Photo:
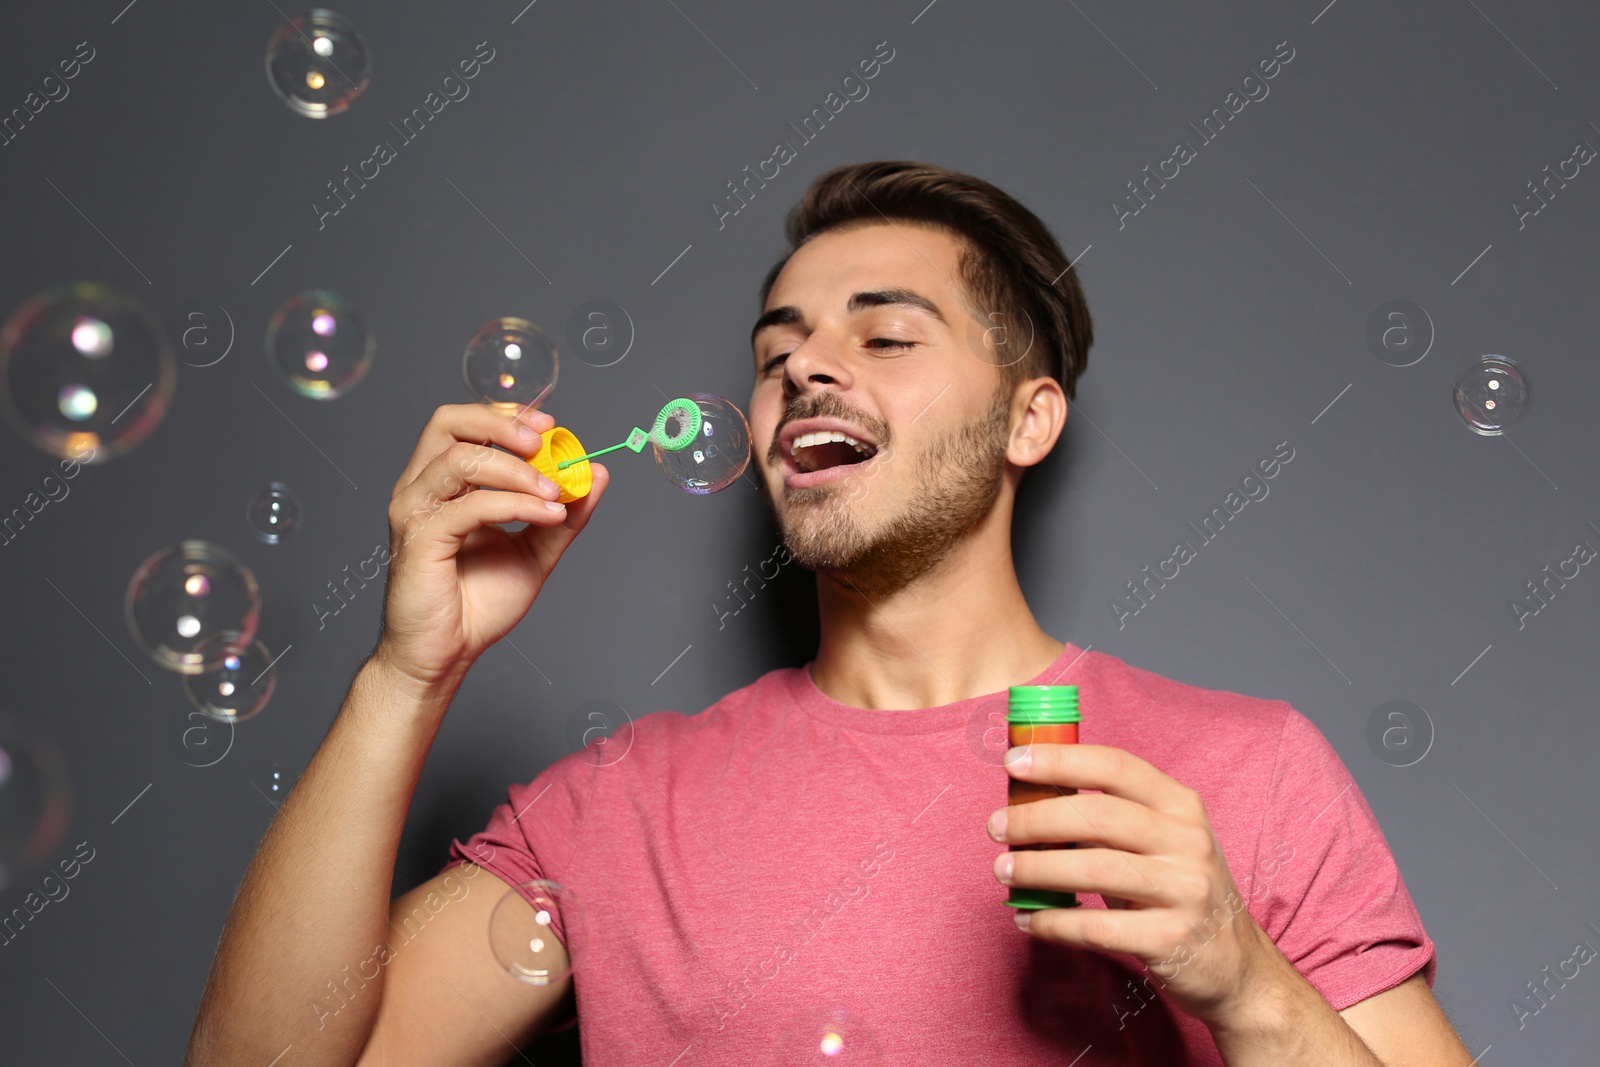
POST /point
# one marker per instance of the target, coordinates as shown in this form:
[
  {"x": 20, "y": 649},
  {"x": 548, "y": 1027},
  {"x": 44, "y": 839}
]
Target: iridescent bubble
[
  {"x": 242, "y": 683},
  {"x": 510, "y": 364},
  {"x": 318, "y": 64},
  {"x": 1490, "y": 394},
  {"x": 87, "y": 372},
  {"x": 704, "y": 448},
  {"x": 35, "y": 798},
  {"x": 319, "y": 345},
  {"x": 532, "y": 927},
  {"x": 182, "y": 597},
  {"x": 832, "y": 1034},
  {"x": 273, "y": 513}
]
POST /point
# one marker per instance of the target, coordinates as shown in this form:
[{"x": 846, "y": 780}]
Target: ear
[{"x": 1038, "y": 412}]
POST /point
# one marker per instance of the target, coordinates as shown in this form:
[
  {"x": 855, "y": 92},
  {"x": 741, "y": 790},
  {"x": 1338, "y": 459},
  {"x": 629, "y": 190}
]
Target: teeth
[{"x": 806, "y": 440}]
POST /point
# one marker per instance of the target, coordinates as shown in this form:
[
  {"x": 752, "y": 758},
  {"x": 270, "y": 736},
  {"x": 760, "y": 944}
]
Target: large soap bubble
[
  {"x": 701, "y": 442},
  {"x": 318, "y": 64},
  {"x": 182, "y": 597},
  {"x": 510, "y": 364},
  {"x": 87, "y": 371},
  {"x": 319, "y": 344}
]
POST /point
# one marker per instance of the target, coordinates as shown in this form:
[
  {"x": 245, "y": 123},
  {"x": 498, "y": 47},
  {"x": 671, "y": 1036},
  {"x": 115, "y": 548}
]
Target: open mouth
[{"x": 826, "y": 449}]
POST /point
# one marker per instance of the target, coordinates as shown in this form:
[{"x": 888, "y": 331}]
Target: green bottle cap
[{"x": 1043, "y": 705}]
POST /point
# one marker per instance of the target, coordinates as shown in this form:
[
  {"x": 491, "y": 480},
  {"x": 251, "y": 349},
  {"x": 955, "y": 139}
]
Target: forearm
[
  {"x": 1282, "y": 1021},
  {"x": 314, "y": 903}
]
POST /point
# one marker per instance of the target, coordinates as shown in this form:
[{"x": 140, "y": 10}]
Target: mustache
[{"x": 826, "y": 405}]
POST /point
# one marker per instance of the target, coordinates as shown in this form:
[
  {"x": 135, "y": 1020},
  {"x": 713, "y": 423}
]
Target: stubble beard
[{"x": 829, "y": 529}]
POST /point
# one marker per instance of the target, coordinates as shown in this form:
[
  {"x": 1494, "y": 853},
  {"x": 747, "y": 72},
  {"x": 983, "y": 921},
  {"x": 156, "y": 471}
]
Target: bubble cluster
[
  {"x": 239, "y": 686},
  {"x": 531, "y": 926},
  {"x": 182, "y": 597},
  {"x": 319, "y": 344},
  {"x": 318, "y": 64},
  {"x": 701, "y": 442},
  {"x": 1490, "y": 394},
  {"x": 273, "y": 513},
  {"x": 35, "y": 798},
  {"x": 87, "y": 371},
  {"x": 511, "y": 364}
]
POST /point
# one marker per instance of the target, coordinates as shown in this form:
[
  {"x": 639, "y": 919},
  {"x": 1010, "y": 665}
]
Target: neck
[{"x": 961, "y": 630}]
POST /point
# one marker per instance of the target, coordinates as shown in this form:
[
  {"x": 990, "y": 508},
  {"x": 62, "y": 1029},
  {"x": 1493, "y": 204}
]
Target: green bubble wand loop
[{"x": 682, "y": 412}]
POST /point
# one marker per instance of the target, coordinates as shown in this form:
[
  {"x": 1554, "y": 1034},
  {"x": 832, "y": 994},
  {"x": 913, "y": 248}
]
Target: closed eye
[{"x": 889, "y": 342}]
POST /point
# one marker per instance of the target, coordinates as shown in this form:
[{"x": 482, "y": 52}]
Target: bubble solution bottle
[{"x": 1047, "y": 714}]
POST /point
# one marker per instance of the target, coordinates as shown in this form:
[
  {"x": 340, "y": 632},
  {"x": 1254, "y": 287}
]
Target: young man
[{"x": 817, "y": 864}]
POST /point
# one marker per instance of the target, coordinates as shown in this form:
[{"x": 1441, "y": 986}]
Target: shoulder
[{"x": 1184, "y": 723}]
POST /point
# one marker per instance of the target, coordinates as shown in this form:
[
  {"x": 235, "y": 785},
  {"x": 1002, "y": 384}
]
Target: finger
[
  {"x": 1105, "y": 767},
  {"x": 460, "y": 467},
  {"x": 442, "y": 533},
  {"x": 548, "y": 544},
  {"x": 1097, "y": 818},
  {"x": 477, "y": 423},
  {"x": 1149, "y": 934},
  {"x": 1153, "y": 882}
]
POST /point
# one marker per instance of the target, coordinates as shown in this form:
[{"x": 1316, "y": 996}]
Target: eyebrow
[{"x": 788, "y": 314}]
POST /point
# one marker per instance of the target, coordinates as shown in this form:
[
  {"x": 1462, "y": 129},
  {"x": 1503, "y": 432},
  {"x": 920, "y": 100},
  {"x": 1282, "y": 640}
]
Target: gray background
[{"x": 1381, "y": 566}]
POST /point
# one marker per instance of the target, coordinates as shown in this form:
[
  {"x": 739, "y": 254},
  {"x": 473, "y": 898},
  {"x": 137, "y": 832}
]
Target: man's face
[{"x": 878, "y": 426}]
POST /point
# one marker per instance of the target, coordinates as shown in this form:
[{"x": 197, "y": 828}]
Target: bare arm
[{"x": 297, "y": 964}]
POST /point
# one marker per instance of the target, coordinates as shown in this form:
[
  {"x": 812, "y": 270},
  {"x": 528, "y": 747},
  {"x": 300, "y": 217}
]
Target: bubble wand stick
[{"x": 676, "y": 427}]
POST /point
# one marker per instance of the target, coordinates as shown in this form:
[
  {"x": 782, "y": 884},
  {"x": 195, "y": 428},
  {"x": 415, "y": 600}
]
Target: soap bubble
[
  {"x": 239, "y": 686},
  {"x": 510, "y": 364},
  {"x": 828, "y": 1035},
  {"x": 318, "y": 343},
  {"x": 182, "y": 597},
  {"x": 318, "y": 63},
  {"x": 87, "y": 371},
  {"x": 705, "y": 458},
  {"x": 1490, "y": 394},
  {"x": 35, "y": 798},
  {"x": 529, "y": 928},
  {"x": 273, "y": 513}
]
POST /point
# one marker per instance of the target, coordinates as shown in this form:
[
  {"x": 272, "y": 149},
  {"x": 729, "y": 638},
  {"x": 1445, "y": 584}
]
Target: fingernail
[
  {"x": 1002, "y": 868},
  {"x": 526, "y": 432},
  {"x": 997, "y": 825},
  {"x": 1019, "y": 757},
  {"x": 549, "y": 487},
  {"x": 555, "y": 505},
  {"x": 1023, "y": 919}
]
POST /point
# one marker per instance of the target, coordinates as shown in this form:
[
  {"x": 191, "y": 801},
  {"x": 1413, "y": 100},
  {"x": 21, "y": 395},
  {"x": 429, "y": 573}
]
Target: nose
[{"x": 816, "y": 364}]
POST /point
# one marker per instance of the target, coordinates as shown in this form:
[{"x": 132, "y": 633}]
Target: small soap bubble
[
  {"x": 240, "y": 686},
  {"x": 35, "y": 798},
  {"x": 1490, "y": 394},
  {"x": 318, "y": 64},
  {"x": 530, "y": 929},
  {"x": 273, "y": 513},
  {"x": 319, "y": 344},
  {"x": 828, "y": 1035},
  {"x": 510, "y": 364},
  {"x": 705, "y": 458},
  {"x": 182, "y": 597},
  {"x": 86, "y": 370}
]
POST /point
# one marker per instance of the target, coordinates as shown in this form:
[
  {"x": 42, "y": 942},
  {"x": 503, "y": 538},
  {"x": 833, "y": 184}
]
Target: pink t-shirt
[{"x": 747, "y": 871}]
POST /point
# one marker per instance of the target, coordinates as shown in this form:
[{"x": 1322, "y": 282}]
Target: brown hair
[{"x": 1011, "y": 264}]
